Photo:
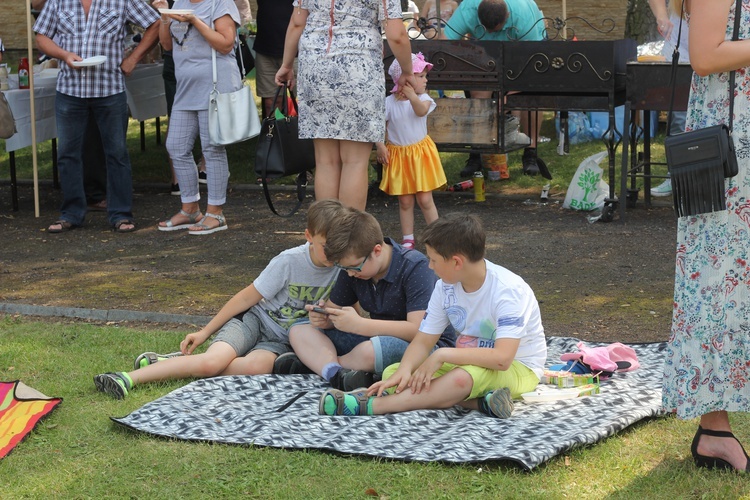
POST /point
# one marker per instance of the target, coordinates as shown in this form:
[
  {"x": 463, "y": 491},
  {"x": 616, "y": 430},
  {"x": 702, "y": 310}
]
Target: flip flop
[
  {"x": 119, "y": 229},
  {"x": 64, "y": 226}
]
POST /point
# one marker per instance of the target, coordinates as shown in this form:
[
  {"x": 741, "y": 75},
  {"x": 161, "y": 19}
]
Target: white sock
[{"x": 408, "y": 237}]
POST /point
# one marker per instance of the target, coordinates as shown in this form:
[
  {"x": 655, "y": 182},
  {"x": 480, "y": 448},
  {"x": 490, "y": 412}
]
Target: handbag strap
[
  {"x": 301, "y": 185},
  {"x": 676, "y": 57}
]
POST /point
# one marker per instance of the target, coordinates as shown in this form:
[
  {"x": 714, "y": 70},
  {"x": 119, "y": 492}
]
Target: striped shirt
[{"x": 101, "y": 34}]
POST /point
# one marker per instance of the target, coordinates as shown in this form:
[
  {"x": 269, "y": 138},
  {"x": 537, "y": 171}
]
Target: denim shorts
[
  {"x": 388, "y": 350},
  {"x": 249, "y": 335}
]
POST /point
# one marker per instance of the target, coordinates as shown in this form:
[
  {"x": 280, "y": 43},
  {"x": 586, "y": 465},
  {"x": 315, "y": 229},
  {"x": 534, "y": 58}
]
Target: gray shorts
[
  {"x": 266, "y": 68},
  {"x": 249, "y": 335}
]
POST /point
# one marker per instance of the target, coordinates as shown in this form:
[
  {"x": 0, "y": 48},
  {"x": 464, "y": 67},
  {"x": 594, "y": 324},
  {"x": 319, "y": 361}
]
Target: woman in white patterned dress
[
  {"x": 342, "y": 85},
  {"x": 707, "y": 370}
]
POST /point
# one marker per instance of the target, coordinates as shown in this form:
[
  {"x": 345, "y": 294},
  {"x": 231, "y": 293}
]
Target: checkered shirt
[{"x": 102, "y": 33}]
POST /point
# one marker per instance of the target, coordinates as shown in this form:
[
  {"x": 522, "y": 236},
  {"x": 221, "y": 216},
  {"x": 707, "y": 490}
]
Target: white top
[
  {"x": 503, "y": 307},
  {"x": 404, "y": 127},
  {"x": 669, "y": 44}
]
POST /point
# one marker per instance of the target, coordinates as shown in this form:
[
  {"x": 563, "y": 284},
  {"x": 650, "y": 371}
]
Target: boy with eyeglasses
[{"x": 379, "y": 277}]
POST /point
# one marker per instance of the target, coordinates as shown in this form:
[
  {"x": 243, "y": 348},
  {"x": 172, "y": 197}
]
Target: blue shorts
[{"x": 388, "y": 350}]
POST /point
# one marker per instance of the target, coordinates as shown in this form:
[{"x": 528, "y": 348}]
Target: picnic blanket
[
  {"x": 21, "y": 408},
  {"x": 282, "y": 412}
]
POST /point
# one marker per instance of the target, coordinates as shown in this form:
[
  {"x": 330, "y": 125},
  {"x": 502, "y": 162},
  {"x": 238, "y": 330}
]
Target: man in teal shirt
[{"x": 501, "y": 20}]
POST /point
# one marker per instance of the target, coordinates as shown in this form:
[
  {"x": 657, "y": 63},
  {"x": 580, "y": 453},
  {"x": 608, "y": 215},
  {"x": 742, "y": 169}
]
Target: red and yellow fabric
[{"x": 19, "y": 416}]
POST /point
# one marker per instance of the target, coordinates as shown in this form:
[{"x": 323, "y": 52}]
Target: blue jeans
[{"x": 111, "y": 115}]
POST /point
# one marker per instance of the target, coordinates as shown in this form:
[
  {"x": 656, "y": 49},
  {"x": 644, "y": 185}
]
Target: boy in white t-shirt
[{"x": 500, "y": 347}]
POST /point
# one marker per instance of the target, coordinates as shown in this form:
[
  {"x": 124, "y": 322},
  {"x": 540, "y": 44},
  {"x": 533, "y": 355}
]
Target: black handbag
[
  {"x": 280, "y": 152},
  {"x": 245, "y": 59},
  {"x": 700, "y": 160}
]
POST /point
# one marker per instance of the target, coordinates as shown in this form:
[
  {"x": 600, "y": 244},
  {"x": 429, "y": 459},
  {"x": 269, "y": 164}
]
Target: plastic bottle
[
  {"x": 545, "y": 193},
  {"x": 462, "y": 186},
  {"x": 478, "y": 186},
  {"x": 23, "y": 73}
]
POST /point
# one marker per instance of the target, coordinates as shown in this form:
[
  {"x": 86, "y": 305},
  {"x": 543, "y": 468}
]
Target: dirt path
[{"x": 600, "y": 281}]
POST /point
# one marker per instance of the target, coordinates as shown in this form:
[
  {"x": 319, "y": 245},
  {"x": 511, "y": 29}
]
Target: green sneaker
[
  {"x": 149, "y": 358},
  {"x": 336, "y": 402},
  {"x": 116, "y": 384},
  {"x": 499, "y": 403}
]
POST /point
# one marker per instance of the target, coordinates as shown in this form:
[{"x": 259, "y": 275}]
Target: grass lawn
[{"x": 77, "y": 452}]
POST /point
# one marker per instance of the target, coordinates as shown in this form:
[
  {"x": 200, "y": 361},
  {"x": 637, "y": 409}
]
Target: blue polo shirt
[
  {"x": 522, "y": 14},
  {"x": 406, "y": 287}
]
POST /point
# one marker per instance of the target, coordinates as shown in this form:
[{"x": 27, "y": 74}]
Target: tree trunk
[{"x": 641, "y": 24}]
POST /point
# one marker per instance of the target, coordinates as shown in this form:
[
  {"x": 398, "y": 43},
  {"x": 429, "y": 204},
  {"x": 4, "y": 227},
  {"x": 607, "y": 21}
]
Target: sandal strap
[
  {"x": 720, "y": 434},
  {"x": 193, "y": 218},
  {"x": 218, "y": 217}
]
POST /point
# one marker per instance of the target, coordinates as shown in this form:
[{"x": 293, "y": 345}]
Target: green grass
[{"x": 77, "y": 452}]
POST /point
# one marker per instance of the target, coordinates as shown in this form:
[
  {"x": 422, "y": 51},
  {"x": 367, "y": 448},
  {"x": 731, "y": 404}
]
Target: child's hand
[
  {"x": 382, "y": 153},
  {"x": 422, "y": 376},
  {"x": 345, "y": 319},
  {"x": 192, "y": 340},
  {"x": 318, "y": 319},
  {"x": 399, "y": 380},
  {"x": 408, "y": 92}
]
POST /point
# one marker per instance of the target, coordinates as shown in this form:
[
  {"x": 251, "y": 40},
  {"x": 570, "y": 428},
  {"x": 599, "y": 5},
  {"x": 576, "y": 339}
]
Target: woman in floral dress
[
  {"x": 707, "y": 366},
  {"x": 342, "y": 85}
]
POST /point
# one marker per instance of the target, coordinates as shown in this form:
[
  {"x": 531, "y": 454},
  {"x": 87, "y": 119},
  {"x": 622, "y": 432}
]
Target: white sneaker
[{"x": 663, "y": 189}]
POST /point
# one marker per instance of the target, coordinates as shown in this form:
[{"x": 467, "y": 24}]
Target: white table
[
  {"x": 46, "y": 125},
  {"x": 146, "y": 97}
]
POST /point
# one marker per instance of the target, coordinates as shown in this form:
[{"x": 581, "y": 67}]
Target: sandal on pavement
[
  {"x": 336, "y": 402},
  {"x": 193, "y": 219},
  {"x": 117, "y": 227},
  {"x": 64, "y": 226},
  {"x": 204, "y": 229}
]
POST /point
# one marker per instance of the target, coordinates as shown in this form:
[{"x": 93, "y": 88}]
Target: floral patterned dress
[
  {"x": 341, "y": 81},
  {"x": 708, "y": 355}
]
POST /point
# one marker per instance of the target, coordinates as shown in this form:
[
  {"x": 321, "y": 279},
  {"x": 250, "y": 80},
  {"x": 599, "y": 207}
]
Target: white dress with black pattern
[{"x": 341, "y": 82}]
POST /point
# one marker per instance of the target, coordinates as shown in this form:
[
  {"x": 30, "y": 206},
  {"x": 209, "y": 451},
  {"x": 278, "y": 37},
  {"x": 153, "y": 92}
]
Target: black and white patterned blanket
[{"x": 282, "y": 411}]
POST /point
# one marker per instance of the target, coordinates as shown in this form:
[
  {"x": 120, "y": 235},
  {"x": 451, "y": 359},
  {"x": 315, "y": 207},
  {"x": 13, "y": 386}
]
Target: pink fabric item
[
  {"x": 621, "y": 352},
  {"x": 418, "y": 65},
  {"x": 596, "y": 357}
]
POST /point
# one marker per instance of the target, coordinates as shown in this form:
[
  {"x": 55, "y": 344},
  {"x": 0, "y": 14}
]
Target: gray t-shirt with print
[{"x": 290, "y": 281}]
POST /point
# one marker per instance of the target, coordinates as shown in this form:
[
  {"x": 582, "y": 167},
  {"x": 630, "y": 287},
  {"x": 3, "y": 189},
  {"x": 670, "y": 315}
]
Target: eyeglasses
[{"x": 356, "y": 269}]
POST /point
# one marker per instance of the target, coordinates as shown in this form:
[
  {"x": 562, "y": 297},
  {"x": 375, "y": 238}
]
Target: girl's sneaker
[
  {"x": 498, "y": 403},
  {"x": 408, "y": 244},
  {"x": 336, "y": 402}
]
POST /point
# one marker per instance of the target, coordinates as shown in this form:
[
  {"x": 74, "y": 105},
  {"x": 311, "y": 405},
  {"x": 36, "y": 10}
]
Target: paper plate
[
  {"x": 177, "y": 12},
  {"x": 90, "y": 61},
  {"x": 550, "y": 395}
]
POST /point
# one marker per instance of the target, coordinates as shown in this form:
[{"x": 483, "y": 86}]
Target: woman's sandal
[
  {"x": 204, "y": 229},
  {"x": 117, "y": 227},
  {"x": 714, "y": 462},
  {"x": 64, "y": 226},
  {"x": 193, "y": 219},
  {"x": 337, "y": 405}
]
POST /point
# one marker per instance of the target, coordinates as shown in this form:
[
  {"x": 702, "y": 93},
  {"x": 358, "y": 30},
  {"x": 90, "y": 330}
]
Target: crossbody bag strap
[
  {"x": 213, "y": 50},
  {"x": 676, "y": 57}
]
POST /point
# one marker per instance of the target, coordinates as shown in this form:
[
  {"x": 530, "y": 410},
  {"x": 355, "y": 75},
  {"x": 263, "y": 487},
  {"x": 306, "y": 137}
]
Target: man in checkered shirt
[{"x": 82, "y": 29}]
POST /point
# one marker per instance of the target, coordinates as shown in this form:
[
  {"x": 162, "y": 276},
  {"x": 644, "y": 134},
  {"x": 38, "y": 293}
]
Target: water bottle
[
  {"x": 545, "y": 193},
  {"x": 462, "y": 186}
]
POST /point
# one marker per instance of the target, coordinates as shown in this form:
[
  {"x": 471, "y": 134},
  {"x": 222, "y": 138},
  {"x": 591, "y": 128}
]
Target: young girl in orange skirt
[{"x": 411, "y": 164}]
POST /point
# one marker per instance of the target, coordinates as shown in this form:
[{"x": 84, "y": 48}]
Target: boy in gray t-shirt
[{"x": 253, "y": 326}]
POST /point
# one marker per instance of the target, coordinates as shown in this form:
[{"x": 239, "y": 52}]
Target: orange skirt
[{"x": 413, "y": 169}]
